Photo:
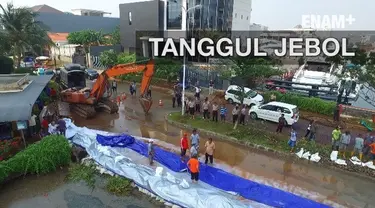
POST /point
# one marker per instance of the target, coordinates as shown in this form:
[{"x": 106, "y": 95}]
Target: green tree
[
  {"x": 108, "y": 58},
  {"x": 87, "y": 38},
  {"x": 250, "y": 71},
  {"x": 21, "y": 32},
  {"x": 254, "y": 70},
  {"x": 125, "y": 58},
  {"x": 115, "y": 37},
  {"x": 167, "y": 68}
]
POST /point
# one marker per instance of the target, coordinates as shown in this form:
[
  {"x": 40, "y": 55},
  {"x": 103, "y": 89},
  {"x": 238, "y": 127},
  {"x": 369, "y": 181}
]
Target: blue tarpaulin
[{"x": 216, "y": 177}]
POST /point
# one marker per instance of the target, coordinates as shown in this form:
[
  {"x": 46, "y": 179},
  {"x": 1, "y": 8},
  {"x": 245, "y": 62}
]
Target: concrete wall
[{"x": 139, "y": 16}]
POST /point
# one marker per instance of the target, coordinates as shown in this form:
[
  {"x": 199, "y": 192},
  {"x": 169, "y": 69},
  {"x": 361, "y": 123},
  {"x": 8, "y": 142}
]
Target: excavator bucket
[{"x": 146, "y": 104}]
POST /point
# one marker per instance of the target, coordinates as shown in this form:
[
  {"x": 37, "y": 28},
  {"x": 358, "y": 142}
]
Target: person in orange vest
[
  {"x": 193, "y": 165},
  {"x": 118, "y": 100}
]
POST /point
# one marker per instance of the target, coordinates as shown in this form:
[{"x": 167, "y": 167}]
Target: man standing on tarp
[
  {"x": 194, "y": 140},
  {"x": 151, "y": 151}
]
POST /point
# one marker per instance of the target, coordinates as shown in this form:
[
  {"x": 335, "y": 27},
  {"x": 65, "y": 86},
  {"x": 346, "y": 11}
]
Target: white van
[
  {"x": 252, "y": 97},
  {"x": 273, "y": 110}
]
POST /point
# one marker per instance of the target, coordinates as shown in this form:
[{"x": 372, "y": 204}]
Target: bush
[
  {"x": 54, "y": 85},
  {"x": 84, "y": 173},
  {"x": 119, "y": 186},
  {"x": 43, "y": 157},
  {"x": 6, "y": 65},
  {"x": 24, "y": 70},
  {"x": 311, "y": 104}
]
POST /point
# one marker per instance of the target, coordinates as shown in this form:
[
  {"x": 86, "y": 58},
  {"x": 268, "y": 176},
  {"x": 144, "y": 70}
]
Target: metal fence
[{"x": 202, "y": 76}]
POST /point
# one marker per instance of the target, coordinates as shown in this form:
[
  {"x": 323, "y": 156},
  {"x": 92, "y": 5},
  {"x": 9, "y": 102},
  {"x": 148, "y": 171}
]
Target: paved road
[{"x": 323, "y": 134}]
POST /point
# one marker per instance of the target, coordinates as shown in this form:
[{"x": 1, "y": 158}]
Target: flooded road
[
  {"x": 51, "y": 191},
  {"x": 303, "y": 179}
]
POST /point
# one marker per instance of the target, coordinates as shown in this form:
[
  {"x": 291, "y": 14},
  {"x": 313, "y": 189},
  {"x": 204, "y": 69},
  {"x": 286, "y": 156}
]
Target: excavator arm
[{"x": 148, "y": 68}]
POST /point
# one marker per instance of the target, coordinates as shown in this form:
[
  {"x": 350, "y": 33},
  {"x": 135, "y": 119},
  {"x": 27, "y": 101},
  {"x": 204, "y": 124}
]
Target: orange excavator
[{"x": 85, "y": 102}]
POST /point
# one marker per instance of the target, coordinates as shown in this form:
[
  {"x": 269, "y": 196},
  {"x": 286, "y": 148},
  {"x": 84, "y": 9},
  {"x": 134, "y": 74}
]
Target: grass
[
  {"x": 119, "y": 186},
  {"x": 84, "y": 173},
  {"x": 253, "y": 133},
  {"x": 116, "y": 185}
]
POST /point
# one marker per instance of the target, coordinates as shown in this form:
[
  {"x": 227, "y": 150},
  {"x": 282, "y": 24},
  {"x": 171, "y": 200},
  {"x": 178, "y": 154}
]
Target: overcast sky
[{"x": 277, "y": 14}]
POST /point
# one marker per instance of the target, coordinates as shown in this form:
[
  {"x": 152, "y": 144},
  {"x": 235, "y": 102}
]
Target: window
[
  {"x": 247, "y": 18},
  {"x": 241, "y": 16},
  {"x": 286, "y": 111},
  {"x": 269, "y": 107},
  {"x": 174, "y": 15},
  {"x": 235, "y": 15},
  {"x": 234, "y": 92},
  {"x": 130, "y": 18}
]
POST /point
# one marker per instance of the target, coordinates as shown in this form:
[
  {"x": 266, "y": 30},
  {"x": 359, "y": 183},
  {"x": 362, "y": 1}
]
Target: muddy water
[
  {"x": 317, "y": 183},
  {"x": 52, "y": 191}
]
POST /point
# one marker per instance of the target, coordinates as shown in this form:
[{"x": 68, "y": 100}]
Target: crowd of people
[
  {"x": 53, "y": 126},
  {"x": 191, "y": 159},
  {"x": 363, "y": 145}
]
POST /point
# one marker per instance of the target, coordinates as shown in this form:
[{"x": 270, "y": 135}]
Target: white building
[
  {"x": 89, "y": 12},
  {"x": 258, "y": 27}
]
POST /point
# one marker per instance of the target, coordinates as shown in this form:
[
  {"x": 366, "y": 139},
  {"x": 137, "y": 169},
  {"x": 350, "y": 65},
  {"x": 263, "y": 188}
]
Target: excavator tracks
[
  {"x": 107, "y": 106},
  {"x": 85, "y": 111}
]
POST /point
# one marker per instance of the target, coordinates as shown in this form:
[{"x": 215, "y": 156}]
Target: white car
[
  {"x": 252, "y": 97},
  {"x": 273, "y": 110}
]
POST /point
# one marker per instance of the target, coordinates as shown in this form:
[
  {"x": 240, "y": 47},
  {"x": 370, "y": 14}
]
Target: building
[
  {"x": 45, "y": 9},
  {"x": 62, "y": 22},
  {"x": 171, "y": 15},
  {"x": 258, "y": 27},
  {"x": 89, "y": 12},
  {"x": 13, "y": 89}
]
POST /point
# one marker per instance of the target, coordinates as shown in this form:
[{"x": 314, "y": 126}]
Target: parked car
[
  {"x": 273, "y": 110},
  {"x": 252, "y": 97},
  {"x": 91, "y": 74}
]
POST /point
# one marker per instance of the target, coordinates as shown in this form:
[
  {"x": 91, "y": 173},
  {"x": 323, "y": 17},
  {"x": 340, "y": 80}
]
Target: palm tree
[{"x": 21, "y": 32}]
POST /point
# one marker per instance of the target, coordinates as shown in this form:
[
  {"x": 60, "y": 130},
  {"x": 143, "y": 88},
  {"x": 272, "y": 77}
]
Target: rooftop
[
  {"x": 91, "y": 10},
  {"x": 67, "y": 23},
  {"x": 58, "y": 36},
  {"x": 17, "y": 106},
  {"x": 14, "y": 83},
  {"x": 45, "y": 8}
]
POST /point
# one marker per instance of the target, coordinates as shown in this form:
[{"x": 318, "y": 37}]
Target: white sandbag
[
  {"x": 370, "y": 164},
  {"x": 184, "y": 184},
  {"x": 334, "y": 155},
  {"x": 300, "y": 153},
  {"x": 315, "y": 157},
  {"x": 340, "y": 162},
  {"x": 159, "y": 171},
  {"x": 356, "y": 161},
  {"x": 306, "y": 155},
  {"x": 171, "y": 178},
  {"x": 354, "y": 158}
]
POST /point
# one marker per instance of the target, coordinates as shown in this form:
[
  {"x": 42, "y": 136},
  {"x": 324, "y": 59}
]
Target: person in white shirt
[
  {"x": 197, "y": 92},
  {"x": 191, "y": 104},
  {"x": 32, "y": 124},
  {"x": 52, "y": 128}
]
